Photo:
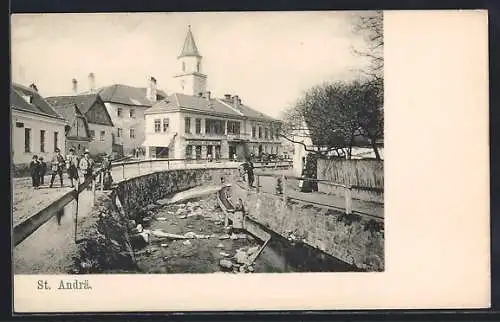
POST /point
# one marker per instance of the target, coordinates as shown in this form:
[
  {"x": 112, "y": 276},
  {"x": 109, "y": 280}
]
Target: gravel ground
[{"x": 27, "y": 201}]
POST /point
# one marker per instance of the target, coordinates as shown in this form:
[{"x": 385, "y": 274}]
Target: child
[
  {"x": 35, "y": 172},
  {"x": 43, "y": 170}
]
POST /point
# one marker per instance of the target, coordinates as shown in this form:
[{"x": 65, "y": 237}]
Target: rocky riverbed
[{"x": 189, "y": 237}]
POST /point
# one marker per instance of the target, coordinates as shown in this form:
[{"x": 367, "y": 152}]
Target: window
[
  {"x": 271, "y": 133},
  {"x": 189, "y": 151},
  {"x": 56, "y": 140},
  {"x": 277, "y": 130},
  {"x": 214, "y": 127},
  {"x": 198, "y": 67},
  {"x": 27, "y": 140},
  {"x": 253, "y": 131},
  {"x": 132, "y": 113},
  {"x": 260, "y": 132},
  {"x": 187, "y": 125},
  {"x": 210, "y": 152},
  {"x": 119, "y": 133},
  {"x": 198, "y": 152},
  {"x": 198, "y": 126},
  {"x": 165, "y": 125},
  {"x": 92, "y": 134},
  {"x": 103, "y": 135},
  {"x": 119, "y": 112},
  {"x": 42, "y": 140},
  {"x": 266, "y": 133},
  {"x": 233, "y": 127},
  {"x": 183, "y": 66},
  {"x": 132, "y": 133},
  {"x": 157, "y": 125}
]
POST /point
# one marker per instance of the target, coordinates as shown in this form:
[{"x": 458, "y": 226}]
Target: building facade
[
  {"x": 77, "y": 129},
  {"x": 99, "y": 121},
  {"x": 190, "y": 124},
  {"x": 126, "y": 106},
  {"x": 36, "y": 127}
]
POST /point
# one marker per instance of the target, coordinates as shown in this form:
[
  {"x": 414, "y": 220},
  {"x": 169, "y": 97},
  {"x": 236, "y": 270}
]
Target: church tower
[{"x": 191, "y": 80}]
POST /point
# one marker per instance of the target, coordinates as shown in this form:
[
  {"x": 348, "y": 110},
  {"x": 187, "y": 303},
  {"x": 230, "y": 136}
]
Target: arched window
[{"x": 183, "y": 66}]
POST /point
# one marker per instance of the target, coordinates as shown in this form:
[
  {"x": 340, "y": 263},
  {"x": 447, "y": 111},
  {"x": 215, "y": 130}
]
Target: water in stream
[{"x": 203, "y": 255}]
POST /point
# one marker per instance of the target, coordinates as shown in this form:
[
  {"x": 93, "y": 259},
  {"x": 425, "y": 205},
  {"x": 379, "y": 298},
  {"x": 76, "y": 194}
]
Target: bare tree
[
  {"x": 371, "y": 27},
  {"x": 328, "y": 117}
]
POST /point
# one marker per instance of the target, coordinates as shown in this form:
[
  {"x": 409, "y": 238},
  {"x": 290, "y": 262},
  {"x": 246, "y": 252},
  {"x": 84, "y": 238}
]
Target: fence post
[
  {"x": 123, "y": 171},
  {"x": 76, "y": 210},
  {"x": 283, "y": 187},
  {"x": 93, "y": 191},
  {"x": 348, "y": 200},
  {"x": 258, "y": 184},
  {"x": 102, "y": 180},
  {"x": 168, "y": 164}
]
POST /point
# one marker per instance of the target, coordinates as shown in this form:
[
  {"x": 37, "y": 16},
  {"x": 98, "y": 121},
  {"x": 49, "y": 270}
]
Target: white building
[
  {"x": 126, "y": 106},
  {"x": 36, "y": 127},
  {"x": 193, "y": 124}
]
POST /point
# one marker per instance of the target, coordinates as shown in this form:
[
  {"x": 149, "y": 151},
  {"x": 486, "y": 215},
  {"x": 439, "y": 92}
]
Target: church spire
[{"x": 189, "y": 48}]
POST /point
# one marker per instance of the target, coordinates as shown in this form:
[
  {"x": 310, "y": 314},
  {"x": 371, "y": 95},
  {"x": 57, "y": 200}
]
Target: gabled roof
[
  {"x": 69, "y": 112},
  {"x": 83, "y": 101},
  {"x": 128, "y": 95},
  {"x": 39, "y": 105},
  {"x": 180, "y": 101},
  {"x": 189, "y": 48}
]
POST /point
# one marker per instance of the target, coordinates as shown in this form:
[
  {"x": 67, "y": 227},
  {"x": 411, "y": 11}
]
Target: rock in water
[
  {"x": 234, "y": 236},
  {"x": 190, "y": 235},
  {"x": 224, "y": 254},
  {"x": 252, "y": 250},
  {"x": 241, "y": 257},
  {"x": 186, "y": 242},
  {"x": 162, "y": 202},
  {"x": 225, "y": 236},
  {"x": 161, "y": 218},
  {"x": 242, "y": 269},
  {"x": 225, "y": 263},
  {"x": 250, "y": 268},
  {"x": 221, "y": 245}
]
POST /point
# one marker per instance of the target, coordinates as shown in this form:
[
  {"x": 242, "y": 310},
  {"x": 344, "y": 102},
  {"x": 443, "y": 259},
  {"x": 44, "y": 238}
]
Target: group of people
[{"x": 72, "y": 164}]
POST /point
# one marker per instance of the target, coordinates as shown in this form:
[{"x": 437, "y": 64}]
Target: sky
[{"x": 267, "y": 58}]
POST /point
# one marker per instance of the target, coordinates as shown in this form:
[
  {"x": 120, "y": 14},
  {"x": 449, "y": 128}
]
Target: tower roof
[{"x": 189, "y": 48}]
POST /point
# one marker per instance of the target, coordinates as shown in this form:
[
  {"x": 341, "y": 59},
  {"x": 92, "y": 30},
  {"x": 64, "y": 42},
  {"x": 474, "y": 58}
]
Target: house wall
[
  {"x": 97, "y": 146},
  {"x": 125, "y": 122},
  {"x": 36, "y": 123}
]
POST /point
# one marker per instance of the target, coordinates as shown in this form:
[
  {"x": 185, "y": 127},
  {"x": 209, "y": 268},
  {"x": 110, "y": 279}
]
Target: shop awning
[{"x": 159, "y": 140}]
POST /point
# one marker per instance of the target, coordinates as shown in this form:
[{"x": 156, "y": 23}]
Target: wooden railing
[{"x": 27, "y": 227}]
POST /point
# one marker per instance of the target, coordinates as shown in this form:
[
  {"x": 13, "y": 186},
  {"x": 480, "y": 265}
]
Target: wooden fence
[{"x": 356, "y": 173}]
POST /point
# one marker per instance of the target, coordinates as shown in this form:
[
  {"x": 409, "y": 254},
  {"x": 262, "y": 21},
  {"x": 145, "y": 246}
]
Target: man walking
[
  {"x": 43, "y": 170},
  {"x": 250, "y": 174},
  {"x": 86, "y": 166},
  {"x": 72, "y": 165},
  {"x": 35, "y": 172},
  {"x": 58, "y": 163}
]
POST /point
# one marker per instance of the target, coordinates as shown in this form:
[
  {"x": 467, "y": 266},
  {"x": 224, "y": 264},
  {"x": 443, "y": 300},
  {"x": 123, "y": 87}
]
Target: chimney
[
  {"x": 75, "y": 86},
  {"x": 91, "y": 82},
  {"x": 151, "y": 89},
  {"x": 227, "y": 97},
  {"x": 236, "y": 101}
]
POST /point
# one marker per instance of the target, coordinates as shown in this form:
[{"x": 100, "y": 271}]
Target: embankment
[{"x": 350, "y": 238}]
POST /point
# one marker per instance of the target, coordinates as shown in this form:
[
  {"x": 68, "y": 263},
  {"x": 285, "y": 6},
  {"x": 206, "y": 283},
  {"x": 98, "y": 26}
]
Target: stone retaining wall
[
  {"x": 352, "y": 239},
  {"x": 138, "y": 192}
]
